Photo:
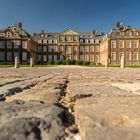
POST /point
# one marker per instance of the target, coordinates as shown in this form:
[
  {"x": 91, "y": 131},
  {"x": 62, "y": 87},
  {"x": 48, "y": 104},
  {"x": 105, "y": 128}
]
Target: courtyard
[{"x": 69, "y": 103}]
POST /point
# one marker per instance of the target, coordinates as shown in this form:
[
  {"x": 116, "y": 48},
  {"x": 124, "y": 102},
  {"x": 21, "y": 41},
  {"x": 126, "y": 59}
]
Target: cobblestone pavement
[{"x": 69, "y": 103}]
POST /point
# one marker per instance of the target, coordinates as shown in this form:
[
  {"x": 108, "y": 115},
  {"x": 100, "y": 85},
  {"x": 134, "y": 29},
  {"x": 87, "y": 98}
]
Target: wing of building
[
  {"x": 70, "y": 45},
  {"x": 121, "y": 41},
  {"x": 14, "y": 42}
]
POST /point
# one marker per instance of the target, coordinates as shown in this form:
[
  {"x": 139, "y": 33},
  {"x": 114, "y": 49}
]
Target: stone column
[
  {"x": 122, "y": 62},
  {"x": 31, "y": 62},
  {"x": 17, "y": 65},
  {"x": 106, "y": 63}
]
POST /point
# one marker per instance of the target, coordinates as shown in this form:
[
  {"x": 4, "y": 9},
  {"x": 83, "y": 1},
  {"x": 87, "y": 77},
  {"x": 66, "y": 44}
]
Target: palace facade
[
  {"x": 70, "y": 45},
  {"x": 67, "y": 45}
]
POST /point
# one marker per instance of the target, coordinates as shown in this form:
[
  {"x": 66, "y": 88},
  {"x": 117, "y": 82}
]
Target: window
[
  {"x": 128, "y": 56},
  {"x": 136, "y": 56},
  {"x": 121, "y": 44},
  {"x": 113, "y": 44},
  {"x": 2, "y": 56},
  {"x": 61, "y": 57},
  {"x": 9, "y": 35},
  {"x": 55, "y": 57},
  {"x": 92, "y": 41},
  {"x": 50, "y": 48},
  {"x": 129, "y": 33},
  {"x": 97, "y": 41},
  {"x": 97, "y": 48},
  {"x": 136, "y": 33},
  {"x": 75, "y": 48},
  {"x": 39, "y": 41},
  {"x": 81, "y": 57},
  {"x": 97, "y": 59},
  {"x": 55, "y": 41},
  {"x": 24, "y": 56},
  {"x": 9, "y": 56},
  {"x": 40, "y": 58},
  {"x": 68, "y": 49},
  {"x": 81, "y": 40},
  {"x": 61, "y": 48},
  {"x": 44, "y": 48},
  {"x": 55, "y": 49},
  {"x": 45, "y": 41},
  {"x": 16, "y": 44},
  {"x": 2, "y": 44},
  {"x": 121, "y": 54},
  {"x": 81, "y": 48},
  {"x": 91, "y": 48},
  {"x": 136, "y": 44},
  {"x": 128, "y": 44},
  {"x": 92, "y": 58},
  {"x": 86, "y": 41},
  {"x": 39, "y": 48},
  {"x": 50, "y": 57},
  {"x": 24, "y": 44},
  {"x": 113, "y": 56},
  {"x": 75, "y": 57},
  {"x": 50, "y": 41},
  {"x": 44, "y": 58},
  {"x": 86, "y": 48},
  {"x": 9, "y": 44},
  {"x": 86, "y": 57}
]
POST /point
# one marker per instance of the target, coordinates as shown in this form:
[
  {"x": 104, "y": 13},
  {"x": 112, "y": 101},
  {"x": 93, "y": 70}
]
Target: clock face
[{"x": 68, "y": 38}]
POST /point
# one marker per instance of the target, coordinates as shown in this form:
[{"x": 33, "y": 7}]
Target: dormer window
[
  {"x": 86, "y": 41},
  {"x": 97, "y": 41},
  {"x": 81, "y": 40},
  {"x": 50, "y": 41},
  {"x": 55, "y": 41},
  {"x": 45, "y": 41},
  {"x": 92, "y": 41},
  {"x": 16, "y": 34},
  {"x": 136, "y": 33},
  {"x": 39, "y": 41},
  {"x": 129, "y": 33},
  {"x": 2, "y": 34},
  {"x": 42, "y": 35}
]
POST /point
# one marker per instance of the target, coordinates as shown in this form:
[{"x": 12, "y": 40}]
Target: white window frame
[
  {"x": 92, "y": 58},
  {"x": 113, "y": 55},
  {"x": 121, "y": 44},
  {"x": 9, "y": 44},
  {"x": 137, "y": 56},
  {"x": 86, "y": 48},
  {"x": 128, "y": 54},
  {"x": 129, "y": 44},
  {"x": 113, "y": 44}
]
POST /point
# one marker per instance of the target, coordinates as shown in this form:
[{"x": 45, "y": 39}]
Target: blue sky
[{"x": 79, "y": 15}]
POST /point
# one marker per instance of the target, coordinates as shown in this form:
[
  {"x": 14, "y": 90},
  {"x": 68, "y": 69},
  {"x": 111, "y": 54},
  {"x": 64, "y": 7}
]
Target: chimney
[
  {"x": 19, "y": 25},
  {"x": 118, "y": 24},
  {"x": 94, "y": 32}
]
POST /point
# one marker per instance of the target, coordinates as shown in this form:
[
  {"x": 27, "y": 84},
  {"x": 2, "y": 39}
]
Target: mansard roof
[
  {"x": 122, "y": 31},
  {"x": 14, "y": 32},
  {"x": 67, "y": 32}
]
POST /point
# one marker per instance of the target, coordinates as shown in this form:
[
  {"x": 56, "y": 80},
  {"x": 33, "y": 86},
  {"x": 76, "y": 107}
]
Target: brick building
[
  {"x": 121, "y": 41},
  {"x": 68, "y": 45},
  {"x": 14, "y": 41}
]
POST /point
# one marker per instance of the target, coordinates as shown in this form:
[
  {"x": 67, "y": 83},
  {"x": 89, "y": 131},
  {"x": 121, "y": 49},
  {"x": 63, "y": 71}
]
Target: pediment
[{"x": 69, "y": 32}]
